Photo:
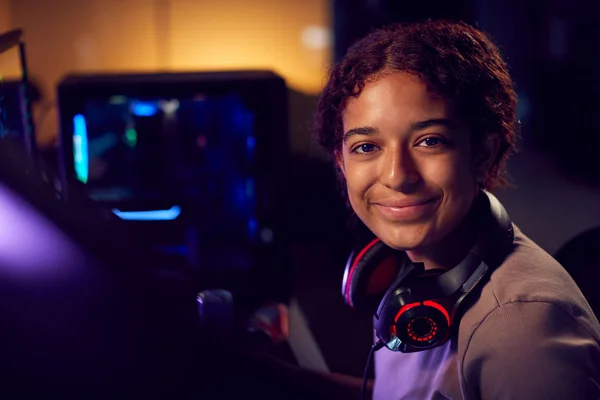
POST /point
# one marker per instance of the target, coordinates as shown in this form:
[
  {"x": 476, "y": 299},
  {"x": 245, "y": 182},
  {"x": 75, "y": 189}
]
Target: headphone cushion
[{"x": 369, "y": 273}]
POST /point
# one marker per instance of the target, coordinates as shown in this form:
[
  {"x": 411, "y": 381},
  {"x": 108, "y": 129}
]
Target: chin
[{"x": 404, "y": 238}]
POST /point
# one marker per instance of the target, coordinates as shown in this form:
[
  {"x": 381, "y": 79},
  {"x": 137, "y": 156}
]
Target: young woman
[{"x": 420, "y": 119}]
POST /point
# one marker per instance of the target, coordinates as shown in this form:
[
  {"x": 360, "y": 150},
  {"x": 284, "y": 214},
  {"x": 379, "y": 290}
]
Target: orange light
[{"x": 226, "y": 35}]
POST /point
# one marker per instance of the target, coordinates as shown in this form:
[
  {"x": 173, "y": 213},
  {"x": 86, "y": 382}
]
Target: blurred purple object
[
  {"x": 83, "y": 314},
  {"x": 22, "y": 254}
]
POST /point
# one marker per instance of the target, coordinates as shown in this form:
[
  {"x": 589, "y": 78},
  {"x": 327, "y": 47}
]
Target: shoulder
[
  {"x": 529, "y": 275},
  {"x": 531, "y": 350},
  {"x": 529, "y": 331}
]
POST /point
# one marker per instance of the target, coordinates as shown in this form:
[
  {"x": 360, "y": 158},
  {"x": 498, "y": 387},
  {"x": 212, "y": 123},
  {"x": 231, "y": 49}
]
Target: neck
[{"x": 449, "y": 252}]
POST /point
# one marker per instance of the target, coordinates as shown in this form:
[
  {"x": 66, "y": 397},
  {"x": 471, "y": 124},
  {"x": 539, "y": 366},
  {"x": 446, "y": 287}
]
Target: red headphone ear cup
[
  {"x": 368, "y": 275},
  {"x": 379, "y": 280}
]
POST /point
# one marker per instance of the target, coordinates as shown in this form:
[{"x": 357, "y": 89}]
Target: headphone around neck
[{"x": 415, "y": 308}]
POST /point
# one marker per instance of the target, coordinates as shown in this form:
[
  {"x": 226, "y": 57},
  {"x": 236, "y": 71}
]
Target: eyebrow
[
  {"x": 362, "y": 131},
  {"x": 445, "y": 122},
  {"x": 417, "y": 126}
]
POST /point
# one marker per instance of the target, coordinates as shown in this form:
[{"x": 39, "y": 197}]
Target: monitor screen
[{"x": 163, "y": 151}]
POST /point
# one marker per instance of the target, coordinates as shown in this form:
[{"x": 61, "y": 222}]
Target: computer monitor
[{"x": 200, "y": 158}]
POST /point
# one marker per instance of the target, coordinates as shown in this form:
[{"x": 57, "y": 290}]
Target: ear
[
  {"x": 485, "y": 155},
  {"x": 339, "y": 160}
]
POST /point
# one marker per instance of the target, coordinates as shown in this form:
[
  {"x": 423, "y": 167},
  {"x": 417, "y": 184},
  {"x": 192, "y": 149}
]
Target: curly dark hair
[{"x": 455, "y": 61}]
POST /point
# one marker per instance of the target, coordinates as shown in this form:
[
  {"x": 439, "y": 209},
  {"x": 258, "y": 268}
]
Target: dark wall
[{"x": 352, "y": 19}]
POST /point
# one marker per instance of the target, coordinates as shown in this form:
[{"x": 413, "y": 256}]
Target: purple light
[{"x": 31, "y": 245}]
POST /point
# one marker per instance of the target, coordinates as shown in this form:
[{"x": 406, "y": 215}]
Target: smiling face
[{"x": 408, "y": 162}]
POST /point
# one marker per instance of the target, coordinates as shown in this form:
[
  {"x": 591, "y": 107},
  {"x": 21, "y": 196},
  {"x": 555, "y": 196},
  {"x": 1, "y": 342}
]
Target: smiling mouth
[
  {"x": 397, "y": 211},
  {"x": 404, "y": 204}
]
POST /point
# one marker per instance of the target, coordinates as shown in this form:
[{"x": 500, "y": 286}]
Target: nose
[{"x": 399, "y": 170}]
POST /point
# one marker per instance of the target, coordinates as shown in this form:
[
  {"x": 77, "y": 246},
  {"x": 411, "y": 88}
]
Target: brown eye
[
  {"x": 432, "y": 141},
  {"x": 364, "y": 148}
]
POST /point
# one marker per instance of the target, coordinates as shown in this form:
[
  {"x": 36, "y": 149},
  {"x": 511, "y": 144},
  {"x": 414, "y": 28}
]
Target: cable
[{"x": 363, "y": 391}]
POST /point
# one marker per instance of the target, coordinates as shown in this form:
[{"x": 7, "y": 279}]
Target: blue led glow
[
  {"x": 179, "y": 250},
  {"x": 251, "y": 142},
  {"x": 153, "y": 215},
  {"x": 240, "y": 196},
  {"x": 252, "y": 226},
  {"x": 80, "y": 148},
  {"x": 144, "y": 109},
  {"x": 250, "y": 188}
]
